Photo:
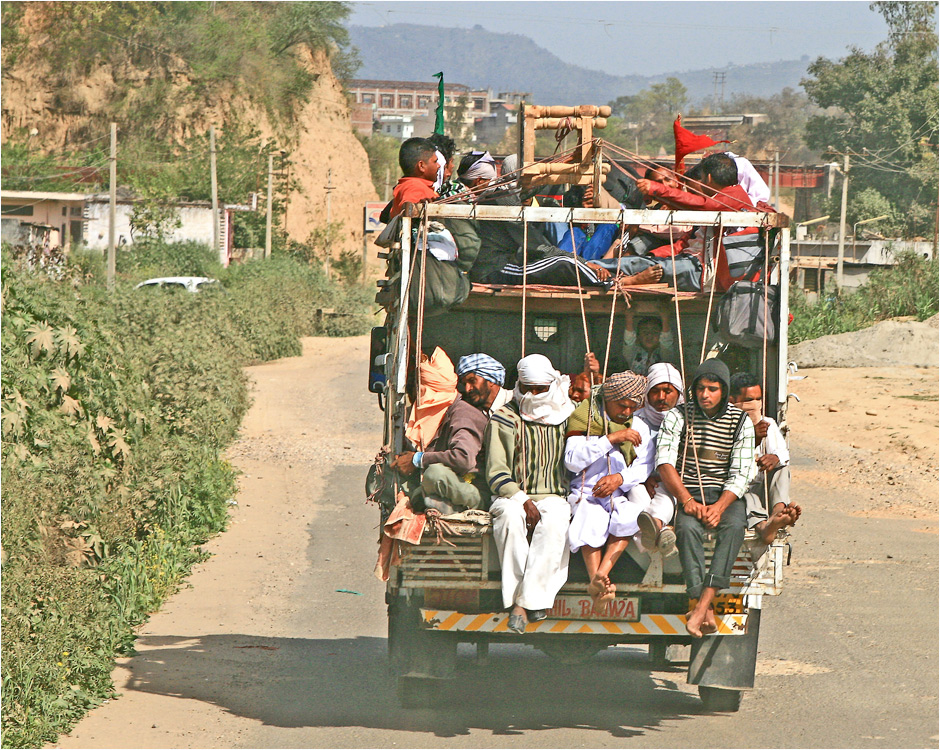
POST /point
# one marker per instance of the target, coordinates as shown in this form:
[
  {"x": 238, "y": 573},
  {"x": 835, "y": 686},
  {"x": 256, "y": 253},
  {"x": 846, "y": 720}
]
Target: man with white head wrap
[
  {"x": 663, "y": 392},
  {"x": 525, "y": 443},
  {"x": 478, "y": 168},
  {"x": 609, "y": 454}
]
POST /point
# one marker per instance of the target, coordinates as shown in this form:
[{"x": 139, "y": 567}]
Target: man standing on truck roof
[
  {"x": 525, "y": 446},
  {"x": 716, "y": 443}
]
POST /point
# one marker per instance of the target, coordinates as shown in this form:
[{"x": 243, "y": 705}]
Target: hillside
[
  {"x": 164, "y": 83},
  {"x": 511, "y": 62}
]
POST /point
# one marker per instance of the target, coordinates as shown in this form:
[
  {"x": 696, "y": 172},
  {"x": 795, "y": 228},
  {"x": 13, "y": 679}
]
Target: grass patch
[
  {"x": 116, "y": 411},
  {"x": 911, "y": 287},
  {"x": 920, "y": 397}
]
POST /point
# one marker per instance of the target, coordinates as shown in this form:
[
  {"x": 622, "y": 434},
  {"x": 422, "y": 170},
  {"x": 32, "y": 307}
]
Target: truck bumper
[{"x": 648, "y": 625}]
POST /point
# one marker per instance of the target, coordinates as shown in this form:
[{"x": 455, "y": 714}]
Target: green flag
[{"x": 439, "y": 119}]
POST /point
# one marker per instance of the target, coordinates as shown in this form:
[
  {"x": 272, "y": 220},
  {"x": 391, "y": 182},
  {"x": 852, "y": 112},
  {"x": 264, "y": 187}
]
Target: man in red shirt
[
  {"x": 718, "y": 191},
  {"x": 419, "y": 165}
]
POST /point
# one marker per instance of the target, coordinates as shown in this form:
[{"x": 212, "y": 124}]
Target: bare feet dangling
[{"x": 601, "y": 591}]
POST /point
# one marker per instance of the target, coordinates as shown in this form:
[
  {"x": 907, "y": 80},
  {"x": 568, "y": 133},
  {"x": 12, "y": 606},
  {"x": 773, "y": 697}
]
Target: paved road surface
[{"x": 262, "y": 650}]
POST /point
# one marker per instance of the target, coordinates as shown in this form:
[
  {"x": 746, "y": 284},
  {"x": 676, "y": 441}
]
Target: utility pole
[
  {"x": 112, "y": 206},
  {"x": 845, "y": 199},
  {"x": 267, "y": 218},
  {"x": 329, "y": 221},
  {"x": 388, "y": 177},
  {"x": 215, "y": 190}
]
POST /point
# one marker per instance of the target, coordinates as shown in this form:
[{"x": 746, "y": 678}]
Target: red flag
[{"x": 688, "y": 143}]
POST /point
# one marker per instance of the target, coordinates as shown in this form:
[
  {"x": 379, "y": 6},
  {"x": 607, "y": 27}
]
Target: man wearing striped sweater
[
  {"x": 525, "y": 451},
  {"x": 705, "y": 458}
]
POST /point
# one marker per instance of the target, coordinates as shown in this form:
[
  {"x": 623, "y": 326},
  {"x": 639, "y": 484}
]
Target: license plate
[{"x": 570, "y": 607}]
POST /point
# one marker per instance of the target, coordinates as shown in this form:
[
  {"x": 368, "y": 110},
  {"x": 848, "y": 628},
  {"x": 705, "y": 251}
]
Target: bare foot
[
  {"x": 598, "y": 589},
  {"x": 647, "y": 276},
  {"x": 779, "y": 520}
]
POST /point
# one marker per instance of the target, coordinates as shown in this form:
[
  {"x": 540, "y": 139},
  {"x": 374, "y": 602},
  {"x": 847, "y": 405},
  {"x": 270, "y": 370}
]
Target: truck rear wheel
[{"x": 719, "y": 699}]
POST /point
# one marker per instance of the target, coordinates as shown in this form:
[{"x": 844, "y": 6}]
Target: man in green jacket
[{"x": 525, "y": 450}]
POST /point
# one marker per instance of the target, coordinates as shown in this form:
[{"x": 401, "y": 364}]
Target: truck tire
[{"x": 719, "y": 699}]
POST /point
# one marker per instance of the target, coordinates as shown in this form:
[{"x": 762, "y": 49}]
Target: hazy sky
[{"x": 645, "y": 37}]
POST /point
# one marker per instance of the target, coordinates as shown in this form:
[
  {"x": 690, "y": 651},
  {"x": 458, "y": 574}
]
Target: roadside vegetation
[
  {"x": 910, "y": 288},
  {"x": 117, "y": 409}
]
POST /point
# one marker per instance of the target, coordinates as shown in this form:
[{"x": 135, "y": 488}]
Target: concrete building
[
  {"x": 415, "y": 98},
  {"x": 62, "y": 213},
  {"x": 70, "y": 220},
  {"x": 490, "y": 129}
]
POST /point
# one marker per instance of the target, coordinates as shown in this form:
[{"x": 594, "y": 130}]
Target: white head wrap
[
  {"x": 441, "y": 163},
  {"x": 510, "y": 165},
  {"x": 484, "y": 167},
  {"x": 659, "y": 373},
  {"x": 750, "y": 180},
  {"x": 552, "y": 407}
]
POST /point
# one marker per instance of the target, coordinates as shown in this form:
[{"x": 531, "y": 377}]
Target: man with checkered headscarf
[{"x": 609, "y": 455}]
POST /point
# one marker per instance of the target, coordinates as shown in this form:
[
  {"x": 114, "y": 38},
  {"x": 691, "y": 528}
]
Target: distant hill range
[{"x": 512, "y": 62}]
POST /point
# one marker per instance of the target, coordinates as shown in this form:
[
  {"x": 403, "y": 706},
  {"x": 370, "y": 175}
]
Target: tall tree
[{"x": 884, "y": 114}]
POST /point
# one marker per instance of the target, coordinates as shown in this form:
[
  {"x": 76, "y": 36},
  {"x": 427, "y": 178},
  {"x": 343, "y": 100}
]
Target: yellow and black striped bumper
[{"x": 496, "y": 622}]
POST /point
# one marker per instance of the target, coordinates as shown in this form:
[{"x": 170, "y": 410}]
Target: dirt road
[{"x": 279, "y": 640}]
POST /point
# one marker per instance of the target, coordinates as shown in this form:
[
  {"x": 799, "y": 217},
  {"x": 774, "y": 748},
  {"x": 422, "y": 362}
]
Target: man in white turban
[
  {"x": 525, "y": 446},
  {"x": 663, "y": 392}
]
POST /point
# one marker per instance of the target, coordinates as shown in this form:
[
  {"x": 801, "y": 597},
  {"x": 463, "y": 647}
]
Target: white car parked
[{"x": 189, "y": 283}]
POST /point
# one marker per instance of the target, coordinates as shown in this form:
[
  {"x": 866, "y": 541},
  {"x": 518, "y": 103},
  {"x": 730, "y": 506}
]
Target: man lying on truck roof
[
  {"x": 609, "y": 455},
  {"x": 496, "y": 246},
  {"x": 705, "y": 457},
  {"x": 718, "y": 191},
  {"x": 529, "y": 490},
  {"x": 447, "y": 433},
  {"x": 773, "y": 464}
]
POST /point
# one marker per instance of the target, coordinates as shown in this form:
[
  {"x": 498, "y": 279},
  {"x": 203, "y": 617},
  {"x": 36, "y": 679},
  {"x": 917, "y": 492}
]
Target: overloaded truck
[{"x": 445, "y": 588}]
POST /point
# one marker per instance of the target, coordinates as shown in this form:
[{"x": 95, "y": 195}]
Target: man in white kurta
[
  {"x": 589, "y": 459},
  {"x": 663, "y": 392},
  {"x": 609, "y": 455}
]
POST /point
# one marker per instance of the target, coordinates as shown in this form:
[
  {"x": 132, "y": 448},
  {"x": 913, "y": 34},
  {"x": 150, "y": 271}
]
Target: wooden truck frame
[{"x": 444, "y": 592}]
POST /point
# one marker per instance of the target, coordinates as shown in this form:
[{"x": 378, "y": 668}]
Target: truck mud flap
[{"x": 719, "y": 661}]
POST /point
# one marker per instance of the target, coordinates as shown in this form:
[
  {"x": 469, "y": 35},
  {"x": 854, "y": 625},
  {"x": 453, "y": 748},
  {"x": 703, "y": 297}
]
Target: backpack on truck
[{"x": 743, "y": 317}]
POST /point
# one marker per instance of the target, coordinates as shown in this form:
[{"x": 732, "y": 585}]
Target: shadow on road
[{"x": 295, "y": 682}]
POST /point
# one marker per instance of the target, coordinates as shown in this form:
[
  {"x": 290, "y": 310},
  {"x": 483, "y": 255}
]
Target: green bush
[
  {"x": 911, "y": 287},
  {"x": 117, "y": 407}
]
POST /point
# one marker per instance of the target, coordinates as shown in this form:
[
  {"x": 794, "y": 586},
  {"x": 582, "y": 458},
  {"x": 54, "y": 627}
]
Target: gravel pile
[{"x": 890, "y": 343}]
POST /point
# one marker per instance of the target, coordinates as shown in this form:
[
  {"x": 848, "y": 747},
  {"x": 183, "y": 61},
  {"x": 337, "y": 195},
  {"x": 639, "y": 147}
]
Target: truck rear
[{"x": 445, "y": 589}]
